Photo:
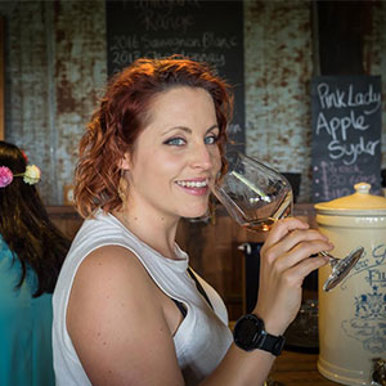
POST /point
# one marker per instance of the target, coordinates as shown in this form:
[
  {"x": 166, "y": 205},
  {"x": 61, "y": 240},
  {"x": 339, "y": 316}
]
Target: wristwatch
[{"x": 249, "y": 334}]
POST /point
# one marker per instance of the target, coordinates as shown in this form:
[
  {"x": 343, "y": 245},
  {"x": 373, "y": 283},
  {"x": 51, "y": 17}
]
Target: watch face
[{"x": 247, "y": 332}]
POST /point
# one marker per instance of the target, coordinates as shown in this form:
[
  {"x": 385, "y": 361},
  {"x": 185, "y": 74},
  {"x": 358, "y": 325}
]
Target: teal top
[{"x": 25, "y": 327}]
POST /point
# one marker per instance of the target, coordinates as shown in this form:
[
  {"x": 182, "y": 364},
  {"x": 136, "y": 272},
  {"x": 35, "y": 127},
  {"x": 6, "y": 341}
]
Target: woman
[
  {"x": 31, "y": 253},
  {"x": 127, "y": 311}
]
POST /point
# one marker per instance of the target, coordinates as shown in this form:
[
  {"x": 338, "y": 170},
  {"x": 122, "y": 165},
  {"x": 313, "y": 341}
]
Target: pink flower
[{"x": 6, "y": 176}]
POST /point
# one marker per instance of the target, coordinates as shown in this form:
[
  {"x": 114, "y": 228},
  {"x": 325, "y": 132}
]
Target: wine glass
[{"x": 256, "y": 196}]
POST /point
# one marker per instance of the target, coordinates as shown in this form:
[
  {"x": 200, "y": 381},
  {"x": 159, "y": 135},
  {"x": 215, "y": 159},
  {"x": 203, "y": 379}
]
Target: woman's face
[{"x": 176, "y": 156}]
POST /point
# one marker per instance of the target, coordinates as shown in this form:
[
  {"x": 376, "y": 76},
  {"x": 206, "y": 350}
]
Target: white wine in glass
[{"x": 256, "y": 196}]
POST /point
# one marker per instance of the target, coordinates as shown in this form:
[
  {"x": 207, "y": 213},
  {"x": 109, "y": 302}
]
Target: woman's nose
[{"x": 202, "y": 157}]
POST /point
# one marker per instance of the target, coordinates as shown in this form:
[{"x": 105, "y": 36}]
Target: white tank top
[{"x": 202, "y": 338}]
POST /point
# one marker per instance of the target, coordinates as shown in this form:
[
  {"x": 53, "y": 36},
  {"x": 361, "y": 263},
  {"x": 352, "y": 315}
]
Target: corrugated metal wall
[
  {"x": 278, "y": 49},
  {"x": 56, "y": 68}
]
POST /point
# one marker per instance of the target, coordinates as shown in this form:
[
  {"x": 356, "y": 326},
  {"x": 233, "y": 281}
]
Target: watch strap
[{"x": 271, "y": 343}]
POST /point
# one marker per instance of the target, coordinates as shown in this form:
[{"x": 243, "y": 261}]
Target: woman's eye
[
  {"x": 211, "y": 139},
  {"x": 175, "y": 141}
]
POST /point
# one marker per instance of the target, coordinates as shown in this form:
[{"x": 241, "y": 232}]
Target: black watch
[{"x": 249, "y": 334}]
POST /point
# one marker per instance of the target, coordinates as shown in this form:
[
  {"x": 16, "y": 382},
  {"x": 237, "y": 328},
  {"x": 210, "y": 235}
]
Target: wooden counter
[{"x": 294, "y": 369}]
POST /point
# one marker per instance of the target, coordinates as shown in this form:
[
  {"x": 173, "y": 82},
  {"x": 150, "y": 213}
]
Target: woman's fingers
[
  {"x": 282, "y": 228},
  {"x": 298, "y": 236},
  {"x": 297, "y": 247},
  {"x": 297, "y": 262},
  {"x": 296, "y": 274},
  {"x": 292, "y": 240}
]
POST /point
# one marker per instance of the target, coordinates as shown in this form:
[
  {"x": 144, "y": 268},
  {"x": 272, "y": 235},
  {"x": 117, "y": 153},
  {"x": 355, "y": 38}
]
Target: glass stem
[{"x": 332, "y": 260}]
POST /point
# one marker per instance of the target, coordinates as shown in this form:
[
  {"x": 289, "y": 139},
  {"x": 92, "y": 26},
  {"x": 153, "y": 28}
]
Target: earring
[{"x": 122, "y": 187}]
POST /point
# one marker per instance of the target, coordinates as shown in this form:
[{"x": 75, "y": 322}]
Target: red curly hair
[{"x": 121, "y": 116}]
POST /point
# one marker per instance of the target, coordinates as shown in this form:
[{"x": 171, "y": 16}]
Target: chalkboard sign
[
  {"x": 209, "y": 31},
  {"x": 346, "y": 138}
]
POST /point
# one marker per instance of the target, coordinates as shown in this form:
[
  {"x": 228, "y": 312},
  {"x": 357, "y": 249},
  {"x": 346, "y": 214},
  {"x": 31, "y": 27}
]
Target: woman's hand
[{"x": 284, "y": 263}]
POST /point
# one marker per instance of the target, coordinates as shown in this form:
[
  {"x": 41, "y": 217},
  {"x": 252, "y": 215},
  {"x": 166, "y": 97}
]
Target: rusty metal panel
[
  {"x": 278, "y": 49},
  {"x": 26, "y": 84},
  {"x": 80, "y": 72},
  {"x": 56, "y": 65}
]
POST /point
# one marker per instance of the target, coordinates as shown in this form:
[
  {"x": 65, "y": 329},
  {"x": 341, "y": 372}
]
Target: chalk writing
[
  {"x": 160, "y": 15},
  {"x": 337, "y": 180},
  {"x": 346, "y": 131},
  {"x": 155, "y": 21},
  {"x": 337, "y": 127},
  {"x": 165, "y": 4},
  {"x": 339, "y": 98},
  {"x": 208, "y": 47},
  {"x": 349, "y": 153}
]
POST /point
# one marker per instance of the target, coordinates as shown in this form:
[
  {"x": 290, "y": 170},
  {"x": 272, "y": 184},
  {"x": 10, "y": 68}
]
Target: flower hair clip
[{"x": 31, "y": 176}]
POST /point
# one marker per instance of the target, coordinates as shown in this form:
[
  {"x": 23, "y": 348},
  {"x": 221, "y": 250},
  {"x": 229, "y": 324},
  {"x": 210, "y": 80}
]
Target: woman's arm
[
  {"x": 116, "y": 322},
  {"x": 284, "y": 263}
]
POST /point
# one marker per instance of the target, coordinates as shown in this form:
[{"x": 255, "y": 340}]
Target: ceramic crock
[{"x": 352, "y": 316}]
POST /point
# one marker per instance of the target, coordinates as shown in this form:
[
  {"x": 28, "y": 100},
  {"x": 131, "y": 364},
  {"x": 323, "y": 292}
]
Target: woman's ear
[{"x": 125, "y": 163}]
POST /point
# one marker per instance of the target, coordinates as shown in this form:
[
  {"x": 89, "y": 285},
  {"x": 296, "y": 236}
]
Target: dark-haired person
[
  {"x": 127, "y": 308},
  {"x": 31, "y": 253}
]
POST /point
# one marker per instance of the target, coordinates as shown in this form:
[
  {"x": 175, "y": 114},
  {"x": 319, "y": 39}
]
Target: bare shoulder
[
  {"x": 114, "y": 318},
  {"x": 108, "y": 277},
  {"x": 109, "y": 264}
]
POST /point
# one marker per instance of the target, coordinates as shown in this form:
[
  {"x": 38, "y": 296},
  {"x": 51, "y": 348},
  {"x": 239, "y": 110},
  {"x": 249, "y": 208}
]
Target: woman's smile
[{"x": 195, "y": 186}]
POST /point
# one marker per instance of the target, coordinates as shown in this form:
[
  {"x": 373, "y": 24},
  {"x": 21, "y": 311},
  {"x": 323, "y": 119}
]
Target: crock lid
[{"x": 361, "y": 200}]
